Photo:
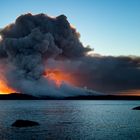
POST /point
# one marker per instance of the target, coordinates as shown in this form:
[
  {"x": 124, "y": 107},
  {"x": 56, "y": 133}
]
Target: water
[{"x": 71, "y": 120}]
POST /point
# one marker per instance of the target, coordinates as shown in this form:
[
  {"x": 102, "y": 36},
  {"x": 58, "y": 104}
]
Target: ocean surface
[{"x": 71, "y": 120}]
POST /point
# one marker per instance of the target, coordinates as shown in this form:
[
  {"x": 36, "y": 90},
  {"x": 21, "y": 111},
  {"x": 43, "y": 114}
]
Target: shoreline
[{"x": 17, "y": 96}]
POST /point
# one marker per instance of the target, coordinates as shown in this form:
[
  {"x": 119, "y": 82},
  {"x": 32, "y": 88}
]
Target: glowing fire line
[
  {"x": 4, "y": 89},
  {"x": 58, "y": 77}
]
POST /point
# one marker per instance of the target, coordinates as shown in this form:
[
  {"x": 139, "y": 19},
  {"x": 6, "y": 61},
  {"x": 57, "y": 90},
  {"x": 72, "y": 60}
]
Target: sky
[{"x": 111, "y": 27}]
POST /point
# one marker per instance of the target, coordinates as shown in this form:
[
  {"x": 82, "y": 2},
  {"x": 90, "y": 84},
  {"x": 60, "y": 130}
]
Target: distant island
[{"x": 21, "y": 96}]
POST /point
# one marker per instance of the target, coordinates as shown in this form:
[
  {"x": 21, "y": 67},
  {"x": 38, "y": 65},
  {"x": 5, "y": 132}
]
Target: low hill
[
  {"x": 20, "y": 96},
  {"x": 17, "y": 96}
]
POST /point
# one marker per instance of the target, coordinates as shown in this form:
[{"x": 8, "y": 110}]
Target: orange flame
[
  {"x": 4, "y": 89},
  {"x": 59, "y": 77}
]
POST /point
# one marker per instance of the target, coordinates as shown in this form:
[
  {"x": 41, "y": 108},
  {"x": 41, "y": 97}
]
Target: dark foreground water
[{"x": 71, "y": 120}]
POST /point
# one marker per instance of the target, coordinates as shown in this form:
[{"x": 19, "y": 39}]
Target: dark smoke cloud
[
  {"x": 42, "y": 29},
  {"x": 104, "y": 73},
  {"x": 107, "y": 73},
  {"x": 35, "y": 43},
  {"x": 29, "y": 42}
]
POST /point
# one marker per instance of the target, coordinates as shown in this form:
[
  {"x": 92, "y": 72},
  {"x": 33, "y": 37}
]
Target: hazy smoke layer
[{"x": 35, "y": 43}]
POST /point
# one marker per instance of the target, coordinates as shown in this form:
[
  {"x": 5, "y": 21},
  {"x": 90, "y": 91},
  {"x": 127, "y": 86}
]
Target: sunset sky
[{"x": 110, "y": 27}]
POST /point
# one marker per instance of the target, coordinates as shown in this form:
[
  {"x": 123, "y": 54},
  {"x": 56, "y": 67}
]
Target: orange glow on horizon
[
  {"x": 59, "y": 77},
  {"x": 135, "y": 92},
  {"x": 4, "y": 89}
]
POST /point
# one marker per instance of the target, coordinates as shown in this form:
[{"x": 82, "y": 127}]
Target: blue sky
[{"x": 111, "y": 27}]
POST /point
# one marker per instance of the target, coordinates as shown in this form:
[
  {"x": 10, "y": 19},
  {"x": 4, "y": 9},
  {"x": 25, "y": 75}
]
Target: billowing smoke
[
  {"x": 29, "y": 43},
  {"x": 35, "y": 44}
]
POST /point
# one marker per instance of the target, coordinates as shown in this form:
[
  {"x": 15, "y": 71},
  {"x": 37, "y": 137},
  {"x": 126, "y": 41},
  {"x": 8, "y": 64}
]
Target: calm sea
[{"x": 71, "y": 120}]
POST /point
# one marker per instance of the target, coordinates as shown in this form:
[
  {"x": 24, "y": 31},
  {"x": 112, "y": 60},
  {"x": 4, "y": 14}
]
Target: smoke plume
[{"x": 36, "y": 45}]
